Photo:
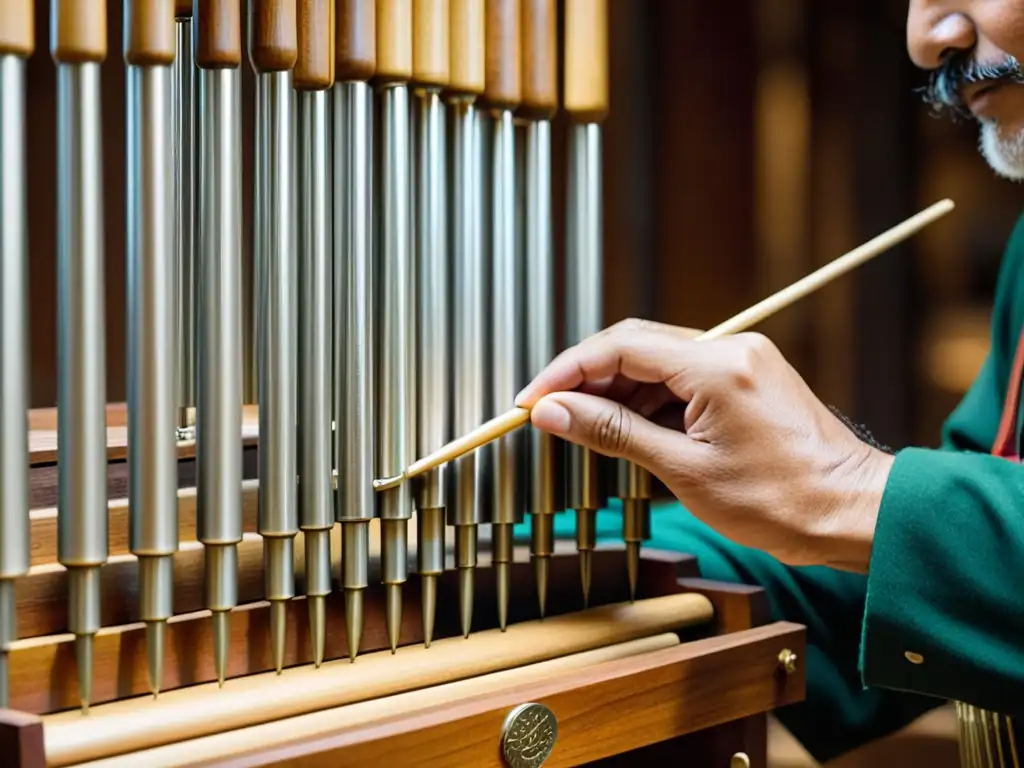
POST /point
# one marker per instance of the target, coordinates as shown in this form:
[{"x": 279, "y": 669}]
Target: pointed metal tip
[
  {"x": 393, "y": 599},
  {"x": 633, "y": 567},
  {"x": 585, "y": 571},
  {"x": 317, "y": 626},
  {"x": 278, "y": 628},
  {"x": 156, "y": 633},
  {"x": 503, "y": 574},
  {"x": 83, "y": 656},
  {"x": 466, "y": 597},
  {"x": 428, "y": 601},
  {"x": 354, "y": 620},
  {"x": 541, "y": 566},
  {"x": 221, "y": 635}
]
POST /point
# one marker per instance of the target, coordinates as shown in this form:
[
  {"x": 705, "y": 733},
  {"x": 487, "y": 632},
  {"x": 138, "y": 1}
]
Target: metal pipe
[
  {"x": 465, "y": 508},
  {"x": 14, "y": 360},
  {"x": 393, "y": 399},
  {"x": 152, "y": 450},
  {"x": 184, "y": 216},
  {"x": 431, "y": 343},
  {"x": 81, "y": 332},
  {"x": 354, "y": 343},
  {"x": 219, "y": 390},
  {"x": 314, "y": 367}
]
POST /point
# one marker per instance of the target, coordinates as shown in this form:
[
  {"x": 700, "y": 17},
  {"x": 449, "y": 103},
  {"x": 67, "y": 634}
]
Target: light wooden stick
[
  {"x": 187, "y": 713},
  {"x": 226, "y": 744},
  {"x": 764, "y": 309}
]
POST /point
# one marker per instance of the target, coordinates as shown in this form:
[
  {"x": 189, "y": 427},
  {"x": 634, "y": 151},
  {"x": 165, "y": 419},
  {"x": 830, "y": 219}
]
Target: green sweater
[{"x": 946, "y": 576}]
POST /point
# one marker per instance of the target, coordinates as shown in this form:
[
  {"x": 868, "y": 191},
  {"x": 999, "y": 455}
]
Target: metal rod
[
  {"x": 506, "y": 348},
  {"x": 431, "y": 343},
  {"x": 184, "y": 216},
  {"x": 393, "y": 398},
  {"x": 465, "y": 509},
  {"x": 354, "y": 433},
  {"x": 81, "y": 332},
  {"x": 219, "y": 392},
  {"x": 277, "y": 344},
  {"x": 316, "y": 512},
  {"x": 14, "y": 361},
  {"x": 152, "y": 451},
  {"x": 540, "y": 345}
]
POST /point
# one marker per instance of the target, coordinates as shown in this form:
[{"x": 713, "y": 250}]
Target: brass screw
[{"x": 788, "y": 660}]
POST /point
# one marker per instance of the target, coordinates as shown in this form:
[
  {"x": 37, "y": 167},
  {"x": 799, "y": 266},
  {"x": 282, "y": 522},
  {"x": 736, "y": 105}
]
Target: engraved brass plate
[{"x": 528, "y": 735}]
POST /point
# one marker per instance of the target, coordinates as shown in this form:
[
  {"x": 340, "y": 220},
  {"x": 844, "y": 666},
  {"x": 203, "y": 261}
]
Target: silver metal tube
[
  {"x": 251, "y": 269},
  {"x": 278, "y": 513},
  {"x": 219, "y": 390},
  {"x": 184, "y": 215},
  {"x": 14, "y": 361},
  {"x": 314, "y": 308},
  {"x": 353, "y": 340},
  {"x": 152, "y": 454},
  {"x": 467, "y": 296}
]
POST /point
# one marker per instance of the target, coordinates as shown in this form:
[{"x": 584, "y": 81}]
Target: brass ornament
[{"x": 528, "y": 735}]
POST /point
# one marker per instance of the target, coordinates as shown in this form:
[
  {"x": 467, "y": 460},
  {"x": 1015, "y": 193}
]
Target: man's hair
[{"x": 944, "y": 92}]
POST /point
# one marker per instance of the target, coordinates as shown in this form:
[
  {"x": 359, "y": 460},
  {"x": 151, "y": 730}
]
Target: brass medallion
[{"x": 528, "y": 735}]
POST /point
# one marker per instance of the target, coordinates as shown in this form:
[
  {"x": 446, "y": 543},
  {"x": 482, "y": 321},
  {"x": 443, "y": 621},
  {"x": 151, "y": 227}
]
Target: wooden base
[{"x": 729, "y": 666}]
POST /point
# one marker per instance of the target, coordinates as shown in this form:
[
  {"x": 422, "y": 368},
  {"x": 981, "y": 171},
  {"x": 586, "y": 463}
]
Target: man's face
[{"x": 973, "y": 50}]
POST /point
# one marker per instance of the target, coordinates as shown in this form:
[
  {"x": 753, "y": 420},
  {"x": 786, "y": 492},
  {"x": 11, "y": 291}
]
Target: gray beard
[{"x": 1004, "y": 152}]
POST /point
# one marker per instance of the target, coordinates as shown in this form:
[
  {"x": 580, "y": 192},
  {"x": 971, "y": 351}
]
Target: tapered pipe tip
[
  {"x": 354, "y": 620},
  {"x": 633, "y": 566},
  {"x": 221, "y": 635},
  {"x": 83, "y": 654},
  {"x": 278, "y": 625},
  {"x": 394, "y": 614},
  {"x": 156, "y": 633},
  {"x": 428, "y": 602},
  {"x": 503, "y": 573},
  {"x": 317, "y": 626},
  {"x": 585, "y": 571},
  {"x": 466, "y": 583},
  {"x": 541, "y": 566}
]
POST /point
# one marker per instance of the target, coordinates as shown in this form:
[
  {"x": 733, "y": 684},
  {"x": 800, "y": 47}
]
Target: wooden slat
[{"x": 606, "y": 710}]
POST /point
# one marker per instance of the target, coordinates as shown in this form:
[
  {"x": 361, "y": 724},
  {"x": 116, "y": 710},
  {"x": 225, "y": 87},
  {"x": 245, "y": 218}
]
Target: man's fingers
[
  {"x": 611, "y": 429},
  {"x": 638, "y": 350}
]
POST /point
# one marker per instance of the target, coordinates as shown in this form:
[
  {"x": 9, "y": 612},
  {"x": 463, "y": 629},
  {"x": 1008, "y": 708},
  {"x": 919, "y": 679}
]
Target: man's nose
[{"x": 936, "y": 29}]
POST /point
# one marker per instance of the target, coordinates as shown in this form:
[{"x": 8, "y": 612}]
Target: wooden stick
[
  {"x": 222, "y": 745},
  {"x": 516, "y": 417},
  {"x": 140, "y": 723}
]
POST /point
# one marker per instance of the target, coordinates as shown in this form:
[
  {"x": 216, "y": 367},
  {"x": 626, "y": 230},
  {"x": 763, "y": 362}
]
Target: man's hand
[{"x": 730, "y": 427}]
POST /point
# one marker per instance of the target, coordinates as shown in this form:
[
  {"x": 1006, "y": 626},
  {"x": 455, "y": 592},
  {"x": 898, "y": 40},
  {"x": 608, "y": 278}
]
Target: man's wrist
[{"x": 846, "y": 539}]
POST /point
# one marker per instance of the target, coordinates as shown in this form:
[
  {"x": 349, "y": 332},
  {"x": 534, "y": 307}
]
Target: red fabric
[{"x": 1005, "y": 444}]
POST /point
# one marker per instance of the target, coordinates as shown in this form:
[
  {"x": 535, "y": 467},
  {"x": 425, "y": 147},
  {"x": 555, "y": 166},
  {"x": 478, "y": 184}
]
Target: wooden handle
[
  {"x": 301, "y": 727},
  {"x": 139, "y": 723},
  {"x": 149, "y": 32},
  {"x": 394, "y": 41},
  {"x": 467, "y": 36},
  {"x": 79, "y": 31},
  {"x": 18, "y": 28},
  {"x": 586, "y": 60},
  {"x": 485, "y": 433},
  {"x": 273, "y": 35},
  {"x": 183, "y": 9},
  {"x": 355, "y": 42},
  {"x": 314, "y": 67},
  {"x": 540, "y": 67},
  {"x": 502, "y": 76},
  {"x": 218, "y": 33},
  {"x": 430, "y": 50},
  {"x": 826, "y": 274}
]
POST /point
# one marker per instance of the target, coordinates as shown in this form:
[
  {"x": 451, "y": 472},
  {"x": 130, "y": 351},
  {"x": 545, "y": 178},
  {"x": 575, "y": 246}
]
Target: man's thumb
[{"x": 604, "y": 426}]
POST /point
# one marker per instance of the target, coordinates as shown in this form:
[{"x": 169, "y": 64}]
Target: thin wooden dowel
[
  {"x": 517, "y": 417},
  {"x": 186, "y": 713},
  {"x": 230, "y": 743}
]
